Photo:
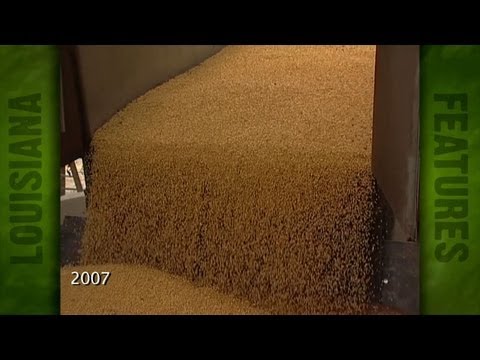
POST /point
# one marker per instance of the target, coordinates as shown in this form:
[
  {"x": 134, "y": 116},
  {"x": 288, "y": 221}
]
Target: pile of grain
[
  {"x": 250, "y": 173},
  {"x": 140, "y": 290}
]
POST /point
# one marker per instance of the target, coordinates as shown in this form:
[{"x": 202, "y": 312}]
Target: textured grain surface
[
  {"x": 250, "y": 173},
  {"x": 142, "y": 290}
]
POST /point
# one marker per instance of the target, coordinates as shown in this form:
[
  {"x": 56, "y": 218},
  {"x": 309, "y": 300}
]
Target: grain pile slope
[
  {"x": 251, "y": 173},
  {"x": 140, "y": 290}
]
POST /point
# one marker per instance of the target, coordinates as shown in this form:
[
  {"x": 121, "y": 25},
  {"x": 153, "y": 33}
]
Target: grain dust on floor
[
  {"x": 140, "y": 290},
  {"x": 249, "y": 173}
]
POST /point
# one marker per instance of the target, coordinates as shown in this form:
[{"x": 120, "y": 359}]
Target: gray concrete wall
[
  {"x": 114, "y": 75},
  {"x": 395, "y": 133},
  {"x": 395, "y": 162}
]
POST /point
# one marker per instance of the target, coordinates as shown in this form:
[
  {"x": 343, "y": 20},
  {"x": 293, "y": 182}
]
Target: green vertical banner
[
  {"x": 450, "y": 179},
  {"x": 29, "y": 180}
]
